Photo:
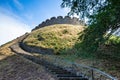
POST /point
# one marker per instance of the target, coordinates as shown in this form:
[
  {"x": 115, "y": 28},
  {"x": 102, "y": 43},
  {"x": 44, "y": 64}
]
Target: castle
[{"x": 60, "y": 20}]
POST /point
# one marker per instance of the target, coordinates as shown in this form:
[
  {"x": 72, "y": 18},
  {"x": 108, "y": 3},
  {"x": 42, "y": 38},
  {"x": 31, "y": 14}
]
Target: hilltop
[{"x": 55, "y": 37}]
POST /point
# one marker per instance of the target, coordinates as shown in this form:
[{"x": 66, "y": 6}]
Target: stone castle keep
[{"x": 60, "y": 20}]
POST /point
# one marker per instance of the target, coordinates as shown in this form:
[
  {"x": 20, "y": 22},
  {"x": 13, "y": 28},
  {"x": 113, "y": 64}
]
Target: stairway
[
  {"x": 59, "y": 72},
  {"x": 62, "y": 74}
]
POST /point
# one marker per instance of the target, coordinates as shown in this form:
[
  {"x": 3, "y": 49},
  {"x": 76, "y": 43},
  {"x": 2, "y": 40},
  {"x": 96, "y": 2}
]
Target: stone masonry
[{"x": 60, "y": 20}]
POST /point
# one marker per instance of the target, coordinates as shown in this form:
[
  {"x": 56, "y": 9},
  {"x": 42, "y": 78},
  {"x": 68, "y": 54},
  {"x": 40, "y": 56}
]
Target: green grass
[{"x": 57, "y": 37}]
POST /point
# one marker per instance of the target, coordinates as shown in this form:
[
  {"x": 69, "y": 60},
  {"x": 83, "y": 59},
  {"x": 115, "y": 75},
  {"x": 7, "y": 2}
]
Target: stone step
[
  {"x": 57, "y": 70},
  {"x": 72, "y": 78},
  {"x": 67, "y": 75},
  {"x": 53, "y": 66},
  {"x": 62, "y": 72},
  {"x": 50, "y": 65}
]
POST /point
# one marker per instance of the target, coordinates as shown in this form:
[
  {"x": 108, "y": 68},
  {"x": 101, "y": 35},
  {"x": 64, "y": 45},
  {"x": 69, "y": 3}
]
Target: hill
[
  {"x": 62, "y": 39},
  {"x": 56, "y": 37}
]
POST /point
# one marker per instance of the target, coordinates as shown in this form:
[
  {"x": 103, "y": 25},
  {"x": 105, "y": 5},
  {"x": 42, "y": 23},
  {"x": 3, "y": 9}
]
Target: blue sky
[{"x": 20, "y": 16}]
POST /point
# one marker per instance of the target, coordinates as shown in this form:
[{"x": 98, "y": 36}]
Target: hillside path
[{"x": 43, "y": 74}]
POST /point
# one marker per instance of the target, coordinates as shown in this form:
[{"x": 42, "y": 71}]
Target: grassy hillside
[
  {"x": 63, "y": 39},
  {"x": 57, "y": 37}
]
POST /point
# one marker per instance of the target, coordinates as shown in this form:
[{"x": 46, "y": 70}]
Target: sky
[{"x": 20, "y": 16}]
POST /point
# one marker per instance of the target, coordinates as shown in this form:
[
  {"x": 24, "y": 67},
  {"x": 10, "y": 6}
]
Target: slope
[
  {"x": 62, "y": 39},
  {"x": 56, "y": 37},
  {"x": 15, "y": 67}
]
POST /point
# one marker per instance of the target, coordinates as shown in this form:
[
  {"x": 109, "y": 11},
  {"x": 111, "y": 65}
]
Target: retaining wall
[{"x": 33, "y": 49}]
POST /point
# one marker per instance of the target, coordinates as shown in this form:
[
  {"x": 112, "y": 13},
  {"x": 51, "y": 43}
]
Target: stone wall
[
  {"x": 33, "y": 49},
  {"x": 60, "y": 20}
]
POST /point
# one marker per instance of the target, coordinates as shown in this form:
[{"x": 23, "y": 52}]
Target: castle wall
[{"x": 60, "y": 20}]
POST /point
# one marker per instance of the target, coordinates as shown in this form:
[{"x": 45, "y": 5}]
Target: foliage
[
  {"x": 103, "y": 16},
  {"x": 114, "y": 40},
  {"x": 83, "y": 8}
]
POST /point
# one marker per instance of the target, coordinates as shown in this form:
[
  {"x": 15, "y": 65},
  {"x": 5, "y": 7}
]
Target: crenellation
[
  {"x": 60, "y": 20},
  {"x": 59, "y": 17},
  {"x": 48, "y": 22},
  {"x": 67, "y": 17},
  {"x": 53, "y": 18}
]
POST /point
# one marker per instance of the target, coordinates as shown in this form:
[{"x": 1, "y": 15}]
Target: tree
[{"x": 103, "y": 15}]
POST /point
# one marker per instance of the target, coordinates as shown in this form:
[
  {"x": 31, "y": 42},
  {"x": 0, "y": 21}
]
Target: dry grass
[
  {"x": 18, "y": 68},
  {"x": 5, "y": 51}
]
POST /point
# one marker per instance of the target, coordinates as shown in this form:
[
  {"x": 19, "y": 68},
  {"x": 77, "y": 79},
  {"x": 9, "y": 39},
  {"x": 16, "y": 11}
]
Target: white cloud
[
  {"x": 10, "y": 28},
  {"x": 10, "y": 13},
  {"x": 18, "y": 4}
]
